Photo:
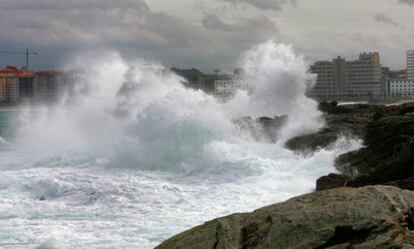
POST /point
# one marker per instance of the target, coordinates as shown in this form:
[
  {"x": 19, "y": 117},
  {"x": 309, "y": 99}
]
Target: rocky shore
[
  {"x": 387, "y": 157},
  {"x": 352, "y": 209}
]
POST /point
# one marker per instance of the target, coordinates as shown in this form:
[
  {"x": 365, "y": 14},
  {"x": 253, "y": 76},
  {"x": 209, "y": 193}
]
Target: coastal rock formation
[
  {"x": 388, "y": 156},
  {"x": 377, "y": 217},
  {"x": 263, "y": 128},
  {"x": 345, "y": 120},
  {"x": 348, "y": 125}
]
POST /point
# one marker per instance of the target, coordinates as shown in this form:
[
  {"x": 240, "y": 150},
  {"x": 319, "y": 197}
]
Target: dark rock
[
  {"x": 350, "y": 125},
  {"x": 388, "y": 155},
  {"x": 407, "y": 183},
  {"x": 263, "y": 128},
  {"x": 377, "y": 217},
  {"x": 331, "y": 181}
]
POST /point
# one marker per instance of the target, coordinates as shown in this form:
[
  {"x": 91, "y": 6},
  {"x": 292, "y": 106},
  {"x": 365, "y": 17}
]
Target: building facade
[
  {"x": 401, "y": 88},
  {"x": 231, "y": 86},
  {"x": 47, "y": 85},
  {"x": 9, "y": 84},
  {"x": 340, "y": 78},
  {"x": 9, "y": 88},
  {"x": 410, "y": 64},
  {"x": 26, "y": 82}
]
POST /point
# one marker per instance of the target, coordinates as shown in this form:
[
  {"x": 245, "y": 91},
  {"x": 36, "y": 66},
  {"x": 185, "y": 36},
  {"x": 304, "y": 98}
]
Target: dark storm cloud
[
  {"x": 263, "y": 4},
  {"x": 72, "y": 4},
  {"x": 58, "y": 28},
  {"x": 382, "y": 18},
  {"x": 409, "y": 2}
]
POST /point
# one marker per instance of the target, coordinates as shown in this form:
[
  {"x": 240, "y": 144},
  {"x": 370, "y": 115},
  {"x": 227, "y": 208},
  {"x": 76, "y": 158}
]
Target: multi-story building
[
  {"x": 26, "y": 81},
  {"x": 9, "y": 84},
  {"x": 194, "y": 77},
  {"x": 18, "y": 85},
  {"x": 47, "y": 85},
  {"x": 9, "y": 88},
  {"x": 401, "y": 88},
  {"x": 230, "y": 86},
  {"x": 198, "y": 80},
  {"x": 410, "y": 64},
  {"x": 340, "y": 78}
]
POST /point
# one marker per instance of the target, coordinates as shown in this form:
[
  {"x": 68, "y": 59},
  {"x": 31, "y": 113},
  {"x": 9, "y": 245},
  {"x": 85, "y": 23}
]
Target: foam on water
[{"x": 132, "y": 157}]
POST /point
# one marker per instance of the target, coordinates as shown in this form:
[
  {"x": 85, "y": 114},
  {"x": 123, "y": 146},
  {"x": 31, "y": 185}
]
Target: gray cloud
[
  {"x": 409, "y": 2},
  {"x": 263, "y": 4},
  {"x": 382, "y": 18},
  {"x": 188, "y": 34},
  {"x": 57, "y": 28},
  {"x": 241, "y": 34}
]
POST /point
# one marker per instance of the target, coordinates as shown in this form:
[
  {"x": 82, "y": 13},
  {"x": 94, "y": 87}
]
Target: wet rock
[
  {"x": 388, "y": 155},
  {"x": 263, "y": 128},
  {"x": 371, "y": 217},
  {"x": 351, "y": 125},
  {"x": 331, "y": 181}
]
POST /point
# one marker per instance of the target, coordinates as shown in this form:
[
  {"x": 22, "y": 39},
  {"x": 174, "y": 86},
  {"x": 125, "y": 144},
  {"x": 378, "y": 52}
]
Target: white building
[
  {"x": 230, "y": 86},
  {"x": 401, "y": 88},
  {"x": 410, "y": 64}
]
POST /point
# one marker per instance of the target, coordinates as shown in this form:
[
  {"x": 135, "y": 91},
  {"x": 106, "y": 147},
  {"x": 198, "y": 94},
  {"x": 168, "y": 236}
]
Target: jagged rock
[
  {"x": 377, "y": 217},
  {"x": 388, "y": 155},
  {"x": 331, "y": 181},
  {"x": 349, "y": 125},
  {"x": 263, "y": 128}
]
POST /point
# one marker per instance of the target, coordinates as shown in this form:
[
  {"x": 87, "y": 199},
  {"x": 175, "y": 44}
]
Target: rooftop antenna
[{"x": 27, "y": 53}]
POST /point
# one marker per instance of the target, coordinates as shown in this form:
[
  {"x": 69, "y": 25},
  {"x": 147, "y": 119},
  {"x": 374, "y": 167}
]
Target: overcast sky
[{"x": 207, "y": 34}]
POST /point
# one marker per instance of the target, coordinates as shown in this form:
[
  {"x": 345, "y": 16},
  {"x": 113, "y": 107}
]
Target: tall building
[
  {"x": 26, "y": 81},
  {"x": 401, "y": 88},
  {"x": 47, "y": 85},
  {"x": 231, "y": 86},
  {"x": 410, "y": 64},
  {"x": 9, "y": 84},
  {"x": 339, "y": 78},
  {"x": 9, "y": 88}
]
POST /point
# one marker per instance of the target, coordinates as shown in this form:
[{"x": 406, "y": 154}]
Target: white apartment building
[
  {"x": 410, "y": 64},
  {"x": 401, "y": 88},
  {"x": 230, "y": 86},
  {"x": 339, "y": 78}
]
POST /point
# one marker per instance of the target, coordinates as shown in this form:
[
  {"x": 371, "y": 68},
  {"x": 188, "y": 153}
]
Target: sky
[{"x": 205, "y": 34}]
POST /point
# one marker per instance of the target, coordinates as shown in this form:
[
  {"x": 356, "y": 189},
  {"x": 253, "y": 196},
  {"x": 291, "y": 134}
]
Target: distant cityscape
[
  {"x": 22, "y": 86},
  {"x": 339, "y": 79}
]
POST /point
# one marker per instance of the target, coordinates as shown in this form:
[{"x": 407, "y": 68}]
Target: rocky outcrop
[
  {"x": 371, "y": 217},
  {"x": 388, "y": 155},
  {"x": 348, "y": 125},
  {"x": 332, "y": 181},
  {"x": 345, "y": 120},
  {"x": 263, "y": 128}
]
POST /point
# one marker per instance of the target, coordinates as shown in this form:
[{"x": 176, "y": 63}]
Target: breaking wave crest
[{"x": 131, "y": 156}]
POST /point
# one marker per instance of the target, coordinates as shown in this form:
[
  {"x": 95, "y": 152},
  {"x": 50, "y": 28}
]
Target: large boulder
[{"x": 371, "y": 217}]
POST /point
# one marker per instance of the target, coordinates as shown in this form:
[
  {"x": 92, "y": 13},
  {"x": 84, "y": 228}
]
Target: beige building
[
  {"x": 9, "y": 88},
  {"x": 340, "y": 78}
]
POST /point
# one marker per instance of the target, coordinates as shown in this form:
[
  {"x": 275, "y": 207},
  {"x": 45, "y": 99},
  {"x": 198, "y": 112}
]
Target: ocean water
[{"x": 131, "y": 157}]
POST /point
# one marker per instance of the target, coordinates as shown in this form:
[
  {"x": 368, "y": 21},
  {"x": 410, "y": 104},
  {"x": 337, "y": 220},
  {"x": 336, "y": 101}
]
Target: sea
[{"x": 131, "y": 156}]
